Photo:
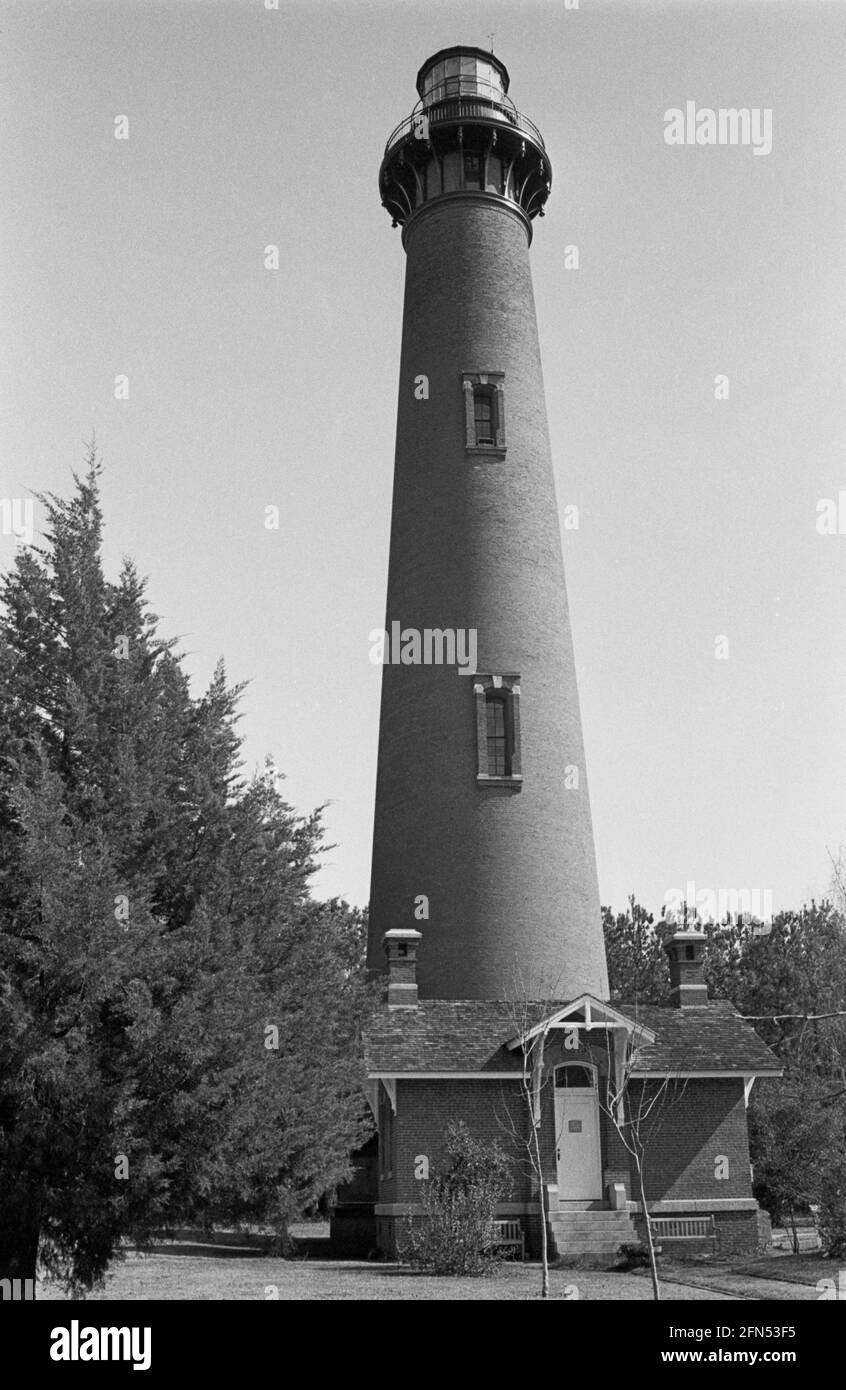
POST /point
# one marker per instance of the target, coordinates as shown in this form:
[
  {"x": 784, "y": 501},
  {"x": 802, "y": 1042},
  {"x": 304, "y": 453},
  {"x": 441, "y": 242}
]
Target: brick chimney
[
  {"x": 401, "y": 949},
  {"x": 686, "y": 950}
]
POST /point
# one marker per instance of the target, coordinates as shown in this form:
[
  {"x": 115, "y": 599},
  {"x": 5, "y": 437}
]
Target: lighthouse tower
[
  {"x": 484, "y": 890},
  {"x": 483, "y": 839}
]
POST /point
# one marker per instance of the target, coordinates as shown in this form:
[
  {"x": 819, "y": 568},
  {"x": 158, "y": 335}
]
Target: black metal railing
[{"x": 464, "y": 108}]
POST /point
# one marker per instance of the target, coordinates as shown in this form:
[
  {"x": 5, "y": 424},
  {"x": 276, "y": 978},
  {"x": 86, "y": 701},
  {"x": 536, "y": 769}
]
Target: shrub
[
  {"x": 633, "y": 1256},
  {"x": 791, "y": 1136},
  {"x": 456, "y": 1232},
  {"x": 831, "y": 1217}
]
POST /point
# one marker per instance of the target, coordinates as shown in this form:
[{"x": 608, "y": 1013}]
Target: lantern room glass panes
[
  {"x": 464, "y": 76},
  {"x": 433, "y": 83}
]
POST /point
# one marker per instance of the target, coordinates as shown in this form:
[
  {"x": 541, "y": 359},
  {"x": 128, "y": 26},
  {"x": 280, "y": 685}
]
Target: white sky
[{"x": 250, "y": 387}]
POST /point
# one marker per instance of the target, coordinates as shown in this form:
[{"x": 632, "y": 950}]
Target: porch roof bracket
[{"x": 594, "y": 1015}]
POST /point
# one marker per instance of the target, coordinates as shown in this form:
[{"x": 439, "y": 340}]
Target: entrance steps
[{"x": 590, "y": 1232}]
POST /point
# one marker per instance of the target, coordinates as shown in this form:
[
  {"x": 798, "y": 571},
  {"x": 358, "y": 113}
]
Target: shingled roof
[
  {"x": 471, "y": 1035},
  {"x": 712, "y": 1039}
]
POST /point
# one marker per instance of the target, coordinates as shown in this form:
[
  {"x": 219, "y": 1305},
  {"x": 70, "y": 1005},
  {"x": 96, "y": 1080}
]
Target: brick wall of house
[
  {"x": 698, "y": 1131},
  {"x": 735, "y": 1233},
  {"x": 700, "y": 1122},
  {"x": 699, "y": 1125},
  {"x": 738, "y": 1232},
  {"x": 426, "y": 1108}
]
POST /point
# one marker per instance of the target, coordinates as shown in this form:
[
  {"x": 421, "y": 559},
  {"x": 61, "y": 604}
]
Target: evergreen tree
[
  {"x": 638, "y": 969},
  {"x": 156, "y": 926}
]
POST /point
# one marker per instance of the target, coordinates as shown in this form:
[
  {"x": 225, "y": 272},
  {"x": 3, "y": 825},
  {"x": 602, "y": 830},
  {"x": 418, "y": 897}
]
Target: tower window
[
  {"x": 499, "y": 750},
  {"x": 483, "y": 414},
  {"x": 484, "y": 407},
  {"x": 498, "y": 729},
  {"x": 472, "y": 171}
]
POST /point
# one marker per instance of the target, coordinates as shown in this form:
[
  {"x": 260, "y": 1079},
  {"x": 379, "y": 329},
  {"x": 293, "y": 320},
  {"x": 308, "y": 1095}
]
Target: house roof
[
  {"x": 712, "y": 1039},
  {"x": 472, "y": 1035}
]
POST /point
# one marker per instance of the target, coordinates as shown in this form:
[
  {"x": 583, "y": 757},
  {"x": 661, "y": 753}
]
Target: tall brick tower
[{"x": 482, "y": 812}]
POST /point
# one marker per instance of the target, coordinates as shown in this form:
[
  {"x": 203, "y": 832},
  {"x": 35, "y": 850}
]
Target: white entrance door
[{"x": 577, "y": 1133}]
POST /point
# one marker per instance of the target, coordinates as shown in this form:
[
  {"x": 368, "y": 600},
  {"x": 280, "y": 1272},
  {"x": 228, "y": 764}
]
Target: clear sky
[{"x": 251, "y": 388}]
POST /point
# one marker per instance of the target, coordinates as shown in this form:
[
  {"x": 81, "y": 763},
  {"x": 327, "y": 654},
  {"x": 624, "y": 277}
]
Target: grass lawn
[
  {"x": 793, "y": 1269},
  {"x": 235, "y": 1267},
  {"x": 229, "y": 1275}
]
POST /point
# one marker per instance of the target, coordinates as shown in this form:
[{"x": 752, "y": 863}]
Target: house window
[
  {"x": 497, "y": 702},
  {"x": 484, "y": 407}
]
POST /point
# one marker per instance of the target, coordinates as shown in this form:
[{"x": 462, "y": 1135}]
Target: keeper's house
[{"x": 671, "y": 1081}]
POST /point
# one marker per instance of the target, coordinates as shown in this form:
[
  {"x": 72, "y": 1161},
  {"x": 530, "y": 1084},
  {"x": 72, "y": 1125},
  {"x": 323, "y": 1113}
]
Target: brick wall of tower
[{"x": 475, "y": 543}]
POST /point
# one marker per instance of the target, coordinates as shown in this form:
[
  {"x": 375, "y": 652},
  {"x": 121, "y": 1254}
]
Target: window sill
[
  {"x": 494, "y": 451},
  {"x": 484, "y": 779}
]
